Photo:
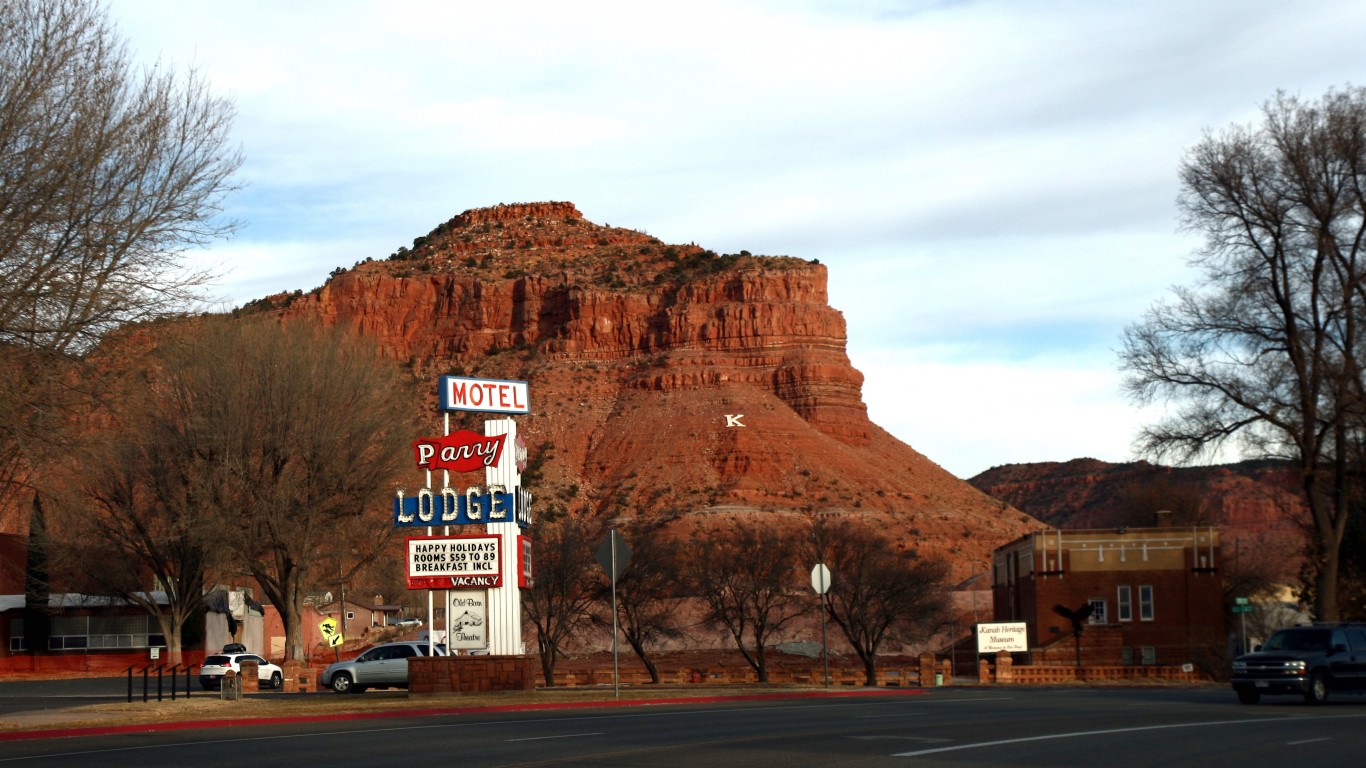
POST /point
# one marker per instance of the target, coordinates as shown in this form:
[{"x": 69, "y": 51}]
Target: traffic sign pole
[{"x": 820, "y": 581}]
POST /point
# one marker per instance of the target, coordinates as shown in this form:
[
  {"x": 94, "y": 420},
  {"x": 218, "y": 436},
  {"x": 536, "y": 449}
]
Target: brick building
[{"x": 1155, "y": 594}]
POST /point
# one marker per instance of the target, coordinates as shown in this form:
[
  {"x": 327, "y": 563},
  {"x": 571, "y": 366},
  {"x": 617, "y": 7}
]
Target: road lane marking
[
  {"x": 1083, "y": 734},
  {"x": 562, "y": 736},
  {"x": 921, "y": 739},
  {"x": 1305, "y": 741},
  {"x": 945, "y": 701}
]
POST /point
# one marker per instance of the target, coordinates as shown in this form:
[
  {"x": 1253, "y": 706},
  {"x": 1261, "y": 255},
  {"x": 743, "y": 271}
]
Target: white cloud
[{"x": 991, "y": 183}]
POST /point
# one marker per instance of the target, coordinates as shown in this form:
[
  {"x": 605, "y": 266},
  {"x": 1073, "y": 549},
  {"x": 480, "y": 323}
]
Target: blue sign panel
[{"x": 448, "y": 506}]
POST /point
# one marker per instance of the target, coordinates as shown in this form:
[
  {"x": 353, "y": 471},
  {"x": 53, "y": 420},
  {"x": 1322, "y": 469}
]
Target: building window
[
  {"x": 1098, "y": 612},
  {"x": 1145, "y": 602},
  {"x": 1149, "y": 655},
  {"x": 1124, "y": 603},
  {"x": 16, "y": 636},
  {"x": 103, "y": 633},
  {"x": 350, "y": 615},
  {"x": 1126, "y": 656}
]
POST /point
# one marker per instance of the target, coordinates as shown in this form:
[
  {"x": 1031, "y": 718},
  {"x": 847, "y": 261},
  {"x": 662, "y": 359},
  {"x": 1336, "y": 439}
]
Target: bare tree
[
  {"x": 877, "y": 594},
  {"x": 137, "y": 505},
  {"x": 649, "y": 592},
  {"x": 300, "y": 431},
  {"x": 747, "y": 579},
  {"x": 1266, "y": 349},
  {"x": 111, "y": 173},
  {"x": 564, "y": 590}
]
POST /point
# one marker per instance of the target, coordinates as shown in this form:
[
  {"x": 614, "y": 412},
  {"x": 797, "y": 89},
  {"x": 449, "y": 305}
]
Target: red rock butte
[{"x": 666, "y": 381}]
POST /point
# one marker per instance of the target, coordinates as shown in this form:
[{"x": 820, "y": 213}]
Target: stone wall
[{"x": 432, "y": 675}]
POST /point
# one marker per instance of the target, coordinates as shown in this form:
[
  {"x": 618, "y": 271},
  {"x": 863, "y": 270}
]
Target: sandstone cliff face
[
  {"x": 636, "y": 352},
  {"x": 1255, "y": 504}
]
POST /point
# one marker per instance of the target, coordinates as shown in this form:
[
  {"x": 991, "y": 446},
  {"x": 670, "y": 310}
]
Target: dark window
[
  {"x": 403, "y": 651},
  {"x": 1357, "y": 638},
  {"x": 1098, "y": 612},
  {"x": 1298, "y": 640}
]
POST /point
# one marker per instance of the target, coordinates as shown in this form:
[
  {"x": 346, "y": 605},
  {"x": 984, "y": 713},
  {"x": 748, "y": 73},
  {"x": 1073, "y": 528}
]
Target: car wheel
[
  {"x": 277, "y": 681},
  {"x": 1249, "y": 695},
  {"x": 342, "y": 683},
  {"x": 1318, "y": 689}
]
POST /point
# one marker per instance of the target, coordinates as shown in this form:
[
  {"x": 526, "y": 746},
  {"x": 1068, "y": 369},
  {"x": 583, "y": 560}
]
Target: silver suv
[{"x": 383, "y": 666}]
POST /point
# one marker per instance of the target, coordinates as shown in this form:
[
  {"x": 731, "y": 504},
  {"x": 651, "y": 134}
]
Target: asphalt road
[
  {"x": 944, "y": 727},
  {"x": 30, "y": 695}
]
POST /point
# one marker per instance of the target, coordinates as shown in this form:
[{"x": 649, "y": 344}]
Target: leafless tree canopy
[
  {"x": 878, "y": 595},
  {"x": 649, "y": 592},
  {"x": 108, "y": 174},
  {"x": 301, "y": 431},
  {"x": 1266, "y": 350},
  {"x": 747, "y": 578},
  {"x": 565, "y": 589}
]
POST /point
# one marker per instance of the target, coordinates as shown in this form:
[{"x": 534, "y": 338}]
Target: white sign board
[
  {"x": 1011, "y": 636},
  {"x": 484, "y": 395},
  {"x": 454, "y": 562},
  {"x": 468, "y": 610}
]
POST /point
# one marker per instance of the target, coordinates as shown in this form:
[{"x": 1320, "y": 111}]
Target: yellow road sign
[{"x": 330, "y": 633}]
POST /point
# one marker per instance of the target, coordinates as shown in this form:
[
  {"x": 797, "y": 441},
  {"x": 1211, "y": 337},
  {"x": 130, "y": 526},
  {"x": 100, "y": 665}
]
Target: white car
[{"x": 216, "y": 665}]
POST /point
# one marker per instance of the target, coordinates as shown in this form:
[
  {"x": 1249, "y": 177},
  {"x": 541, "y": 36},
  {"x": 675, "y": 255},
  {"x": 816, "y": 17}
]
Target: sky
[{"x": 991, "y": 185}]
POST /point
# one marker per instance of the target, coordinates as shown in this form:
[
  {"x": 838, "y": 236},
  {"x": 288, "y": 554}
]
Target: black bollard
[
  {"x": 159, "y": 668},
  {"x": 144, "y": 683},
  {"x": 130, "y": 685}
]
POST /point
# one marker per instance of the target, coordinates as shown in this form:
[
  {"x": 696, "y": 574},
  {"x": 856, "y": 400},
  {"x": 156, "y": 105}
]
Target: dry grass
[{"x": 209, "y": 708}]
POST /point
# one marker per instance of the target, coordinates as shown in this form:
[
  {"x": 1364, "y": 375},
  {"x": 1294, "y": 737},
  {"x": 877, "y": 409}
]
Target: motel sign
[{"x": 483, "y": 395}]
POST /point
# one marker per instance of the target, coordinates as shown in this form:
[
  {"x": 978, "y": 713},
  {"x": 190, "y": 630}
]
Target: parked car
[
  {"x": 216, "y": 665},
  {"x": 1308, "y": 661},
  {"x": 383, "y": 666},
  {"x": 410, "y": 622}
]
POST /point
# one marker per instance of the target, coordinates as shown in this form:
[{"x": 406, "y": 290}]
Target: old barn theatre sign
[
  {"x": 483, "y": 395},
  {"x": 462, "y": 451},
  {"x": 454, "y": 562},
  {"x": 451, "y": 507}
]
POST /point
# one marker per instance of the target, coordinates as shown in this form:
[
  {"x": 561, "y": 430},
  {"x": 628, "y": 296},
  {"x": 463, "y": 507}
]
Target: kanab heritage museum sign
[{"x": 480, "y": 574}]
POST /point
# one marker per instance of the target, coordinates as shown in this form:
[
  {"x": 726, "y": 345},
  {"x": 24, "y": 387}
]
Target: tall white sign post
[
  {"x": 498, "y": 560},
  {"x": 505, "y": 602}
]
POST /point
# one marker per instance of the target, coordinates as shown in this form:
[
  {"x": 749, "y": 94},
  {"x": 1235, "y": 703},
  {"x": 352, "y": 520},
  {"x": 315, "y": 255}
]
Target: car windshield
[
  {"x": 1298, "y": 640},
  {"x": 217, "y": 661}
]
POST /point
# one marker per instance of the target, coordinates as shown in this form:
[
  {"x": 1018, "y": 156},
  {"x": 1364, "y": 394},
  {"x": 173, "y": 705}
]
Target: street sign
[
  {"x": 328, "y": 626},
  {"x": 1242, "y": 609},
  {"x": 820, "y": 578},
  {"x": 613, "y": 563}
]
